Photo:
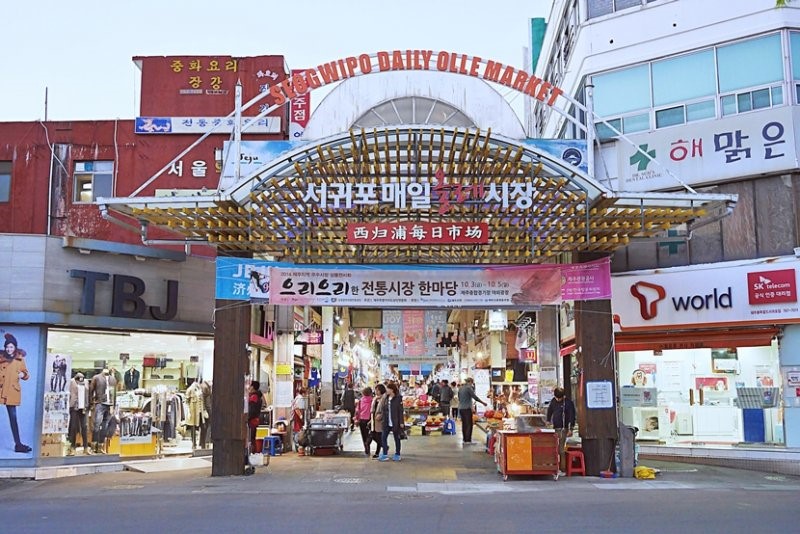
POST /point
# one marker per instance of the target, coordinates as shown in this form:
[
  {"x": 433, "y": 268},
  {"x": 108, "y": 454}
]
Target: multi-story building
[
  {"x": 704, "y": 96},
  {"x": 84, "y": 289}
]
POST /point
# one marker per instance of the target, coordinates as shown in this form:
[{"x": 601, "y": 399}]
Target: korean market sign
[
  {"x": 748, "y": 144},
  {"x": 418, "y": 233},
  {"x": 492, "y": 286}
]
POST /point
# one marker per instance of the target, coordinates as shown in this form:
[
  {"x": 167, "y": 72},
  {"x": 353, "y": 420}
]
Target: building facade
[
  {"x": 701, "y": 96},
  {"x": 86, "y": 291}
]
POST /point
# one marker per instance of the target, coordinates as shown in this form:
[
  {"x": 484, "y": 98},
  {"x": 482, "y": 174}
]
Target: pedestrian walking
[
  {"x": 466, "y": 394},
  {"x": 392, "y": 423},
  {"x": 561, "y": 414}
]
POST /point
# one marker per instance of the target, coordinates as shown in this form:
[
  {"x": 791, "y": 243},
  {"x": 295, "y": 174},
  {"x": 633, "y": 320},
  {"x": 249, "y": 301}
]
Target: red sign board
[
  {"x": 772, "y": 287},
  {"x": 190, "y": 86},
  {"x": 418, "y": 233}
]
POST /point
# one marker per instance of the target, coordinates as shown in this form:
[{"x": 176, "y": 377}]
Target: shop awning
[{"x": 698, "y": 339}]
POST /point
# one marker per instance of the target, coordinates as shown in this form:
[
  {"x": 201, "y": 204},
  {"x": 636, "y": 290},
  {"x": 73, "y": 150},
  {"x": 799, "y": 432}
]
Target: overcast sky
[{"x": 81, "y": 50}]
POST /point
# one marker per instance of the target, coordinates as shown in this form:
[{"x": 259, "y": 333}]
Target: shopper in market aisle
[
  {"x": 561, "y": 414},
  {"x": 363, "y": 414},
  {"x": 466, "y": 394},
  {"x": 349, "y": 403},
  {"x": 454, "y": 409},
  {"x": 392, "y": 422},
  {"x": 445, "y": 398},
  {"x": 376, "y": 419}
]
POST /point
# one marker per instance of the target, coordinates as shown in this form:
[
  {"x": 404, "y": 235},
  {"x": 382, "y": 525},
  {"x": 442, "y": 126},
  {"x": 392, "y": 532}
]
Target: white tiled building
[{"x": 700, "y": 95}]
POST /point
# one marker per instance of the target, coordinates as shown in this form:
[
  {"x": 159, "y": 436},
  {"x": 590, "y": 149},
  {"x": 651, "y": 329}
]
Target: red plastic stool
[{"x": 575, "y": 463}]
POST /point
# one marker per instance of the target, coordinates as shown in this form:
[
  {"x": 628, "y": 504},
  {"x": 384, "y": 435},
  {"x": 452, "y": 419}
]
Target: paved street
[{"x": 439, "y": 486}]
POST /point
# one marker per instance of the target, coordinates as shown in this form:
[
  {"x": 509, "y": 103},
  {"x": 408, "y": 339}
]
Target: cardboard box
[{"x": 52, "y": 450}]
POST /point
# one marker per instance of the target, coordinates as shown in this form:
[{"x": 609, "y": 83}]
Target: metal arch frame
[{"x": 239, "y": 192}]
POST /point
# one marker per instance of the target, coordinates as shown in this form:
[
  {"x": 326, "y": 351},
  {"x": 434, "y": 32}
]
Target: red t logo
[{"x": 648, "y": 310}]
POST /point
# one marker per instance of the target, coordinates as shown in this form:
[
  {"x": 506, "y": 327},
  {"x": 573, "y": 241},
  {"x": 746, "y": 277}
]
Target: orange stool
[{"x": 575, "y": 463}]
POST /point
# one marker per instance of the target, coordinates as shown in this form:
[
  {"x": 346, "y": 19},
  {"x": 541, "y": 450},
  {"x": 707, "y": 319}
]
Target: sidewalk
[{"x": 439, "y": 458}]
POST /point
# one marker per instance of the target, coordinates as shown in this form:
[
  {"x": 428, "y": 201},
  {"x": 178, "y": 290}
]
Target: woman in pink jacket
[{"x": 363, "y": 415}]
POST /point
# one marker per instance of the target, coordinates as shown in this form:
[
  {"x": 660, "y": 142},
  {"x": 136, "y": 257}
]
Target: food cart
[
  {"x": 527, "y": 450},
  {"x": 322, "y": 435},
  {"x": 325, "y": 432}
]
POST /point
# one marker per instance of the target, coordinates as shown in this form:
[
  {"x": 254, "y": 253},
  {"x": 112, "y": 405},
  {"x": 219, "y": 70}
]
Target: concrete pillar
[{"x": 231, "y": 364}]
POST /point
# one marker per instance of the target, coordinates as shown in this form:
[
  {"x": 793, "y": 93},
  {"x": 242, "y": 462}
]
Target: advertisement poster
[
  {"x": 135, "y": 428},
  {"x": 414, "y": 333},
  {"x": 494, "y": 286},
  {"x": 435, "y": 328},
  {"x": 55, "y": 419},
  {"x": 548, "y": 380},
  {"x": 392, "y": 333},
  {"x": 497, "y": 286},
  {"x": 19, "y": 374}
]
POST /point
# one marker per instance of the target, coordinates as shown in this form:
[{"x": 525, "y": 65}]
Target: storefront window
[
  {"x": 698, "y": 396},
  {"x": 750, "y": 63}
]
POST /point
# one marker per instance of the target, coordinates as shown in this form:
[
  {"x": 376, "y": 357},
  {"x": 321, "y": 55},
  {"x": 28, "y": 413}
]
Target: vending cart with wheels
[{"x": 527, "y": 453}]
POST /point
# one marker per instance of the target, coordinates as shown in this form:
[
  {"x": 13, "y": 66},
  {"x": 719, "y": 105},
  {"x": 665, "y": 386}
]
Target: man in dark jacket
[
  {"x": 349, "y": 403},
  {"x": 561, "y": 414},
  {"x": 466, "y": 394},
  {"x": 445, "y": 398}
]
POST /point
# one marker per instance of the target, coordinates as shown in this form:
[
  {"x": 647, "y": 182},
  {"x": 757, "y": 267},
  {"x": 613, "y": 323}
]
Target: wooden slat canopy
[{"x": 268, "y": 212}]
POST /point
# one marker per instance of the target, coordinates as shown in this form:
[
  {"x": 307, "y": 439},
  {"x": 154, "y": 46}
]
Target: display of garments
[
  {"x": 77, "y": 423},
  {"x": 103, "y": 388},
  {"x": 194, "y": 397},
  {"x": 132, "y": 378},
  {"x": 102, "y": 420},
  {"x": 78, "y": 393}
]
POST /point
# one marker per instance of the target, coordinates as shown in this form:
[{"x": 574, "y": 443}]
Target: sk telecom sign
[{"x": 732, "y": 293}]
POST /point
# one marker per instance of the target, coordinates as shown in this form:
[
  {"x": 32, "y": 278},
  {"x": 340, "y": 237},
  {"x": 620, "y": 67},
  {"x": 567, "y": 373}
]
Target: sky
[{"x": 81, "y": 50}]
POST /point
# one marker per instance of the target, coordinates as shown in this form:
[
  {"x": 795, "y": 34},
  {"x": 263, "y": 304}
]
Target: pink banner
[
  {"x": 586, "y": 281},
  {"x": 414, "y": 332},
  {"x": 409, "y": 287}
]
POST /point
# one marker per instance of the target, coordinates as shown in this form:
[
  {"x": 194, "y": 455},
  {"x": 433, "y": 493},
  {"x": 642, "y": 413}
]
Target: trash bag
[{"x": 644, "y": 473}]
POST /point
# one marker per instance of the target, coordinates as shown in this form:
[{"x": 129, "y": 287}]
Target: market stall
[{"x": 527, "y": 449}]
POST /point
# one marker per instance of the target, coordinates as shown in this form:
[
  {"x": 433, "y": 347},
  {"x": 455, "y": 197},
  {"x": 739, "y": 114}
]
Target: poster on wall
[
  {"x": 19, "y": 375},
  {"x": 548, "y": 380},
  {"x": 392, "y": 333},
  {"x": 435, "y": 327},
  {"x": 711, "y": 383},
  {"x": 413, "y": 333},
  {"x": 135, "y": 428},
  {"x": 483, "y": 381},
  {"x": 55, "y": 419}
]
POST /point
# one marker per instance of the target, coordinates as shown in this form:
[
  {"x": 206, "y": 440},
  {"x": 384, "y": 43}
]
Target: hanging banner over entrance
[{"x": 494, "y": 286}]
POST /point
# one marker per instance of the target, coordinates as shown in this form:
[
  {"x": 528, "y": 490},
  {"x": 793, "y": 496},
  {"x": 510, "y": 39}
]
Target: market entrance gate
[{"x": 508, "y": 201}]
